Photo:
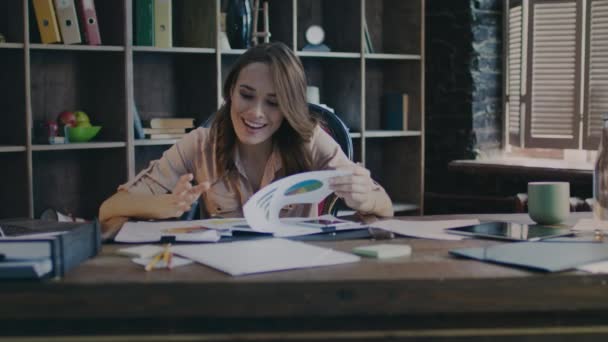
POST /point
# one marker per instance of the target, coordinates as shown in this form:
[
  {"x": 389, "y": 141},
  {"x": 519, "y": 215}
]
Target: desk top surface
[{"x": 428, "y": 282}]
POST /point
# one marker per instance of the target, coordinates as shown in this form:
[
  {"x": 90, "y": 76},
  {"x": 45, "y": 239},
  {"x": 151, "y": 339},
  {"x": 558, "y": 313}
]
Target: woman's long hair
[{"x": 289, "y": 80}]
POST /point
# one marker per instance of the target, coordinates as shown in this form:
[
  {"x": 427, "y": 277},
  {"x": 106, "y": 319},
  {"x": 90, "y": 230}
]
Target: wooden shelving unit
[{"x": 41, "y": 80}]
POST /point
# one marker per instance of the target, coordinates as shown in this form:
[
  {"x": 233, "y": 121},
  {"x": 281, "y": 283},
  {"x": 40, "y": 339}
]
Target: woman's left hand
[{"x": 355, "y": 188}]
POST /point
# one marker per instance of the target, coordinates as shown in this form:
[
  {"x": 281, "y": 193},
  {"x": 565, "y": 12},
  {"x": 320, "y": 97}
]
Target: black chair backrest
[
  {"x": 335, "y": 127},
  {"x": 330, "y": 121}
]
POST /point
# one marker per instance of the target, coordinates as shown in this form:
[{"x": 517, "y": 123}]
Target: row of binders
[
  {"x": 67, "y": 21},
  {"x": 153, "y": 23}
]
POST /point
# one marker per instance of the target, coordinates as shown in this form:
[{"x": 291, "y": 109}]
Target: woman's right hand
[{"x": 182, "y": 197}]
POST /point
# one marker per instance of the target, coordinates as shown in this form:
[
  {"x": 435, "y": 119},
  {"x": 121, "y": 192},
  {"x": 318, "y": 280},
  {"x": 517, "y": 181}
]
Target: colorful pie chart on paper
[{"x": 304, "y": 187}]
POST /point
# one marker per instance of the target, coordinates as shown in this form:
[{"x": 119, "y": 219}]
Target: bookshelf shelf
[
  {"x": 306, "y": 54},
  {"x": 174, "y": 50},
  {"x": 392, "y": 134},
  {"x": 60, "y": 47},
  {"x": 388, "y": 56},
  {"x": 185, "y": 81},
  {"x": 79, "y": 146},
  {"x": 154, "y": 142},
  {"x": 11, "y": 45},
  {"x": 233, "y": 52},
  {"x": 12, "y": 149}
]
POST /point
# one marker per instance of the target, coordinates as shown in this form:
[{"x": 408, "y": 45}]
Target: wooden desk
[{"x": 428, "y": 295}]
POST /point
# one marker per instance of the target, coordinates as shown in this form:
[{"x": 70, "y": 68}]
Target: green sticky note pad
[{"x": 383, "y": 251}]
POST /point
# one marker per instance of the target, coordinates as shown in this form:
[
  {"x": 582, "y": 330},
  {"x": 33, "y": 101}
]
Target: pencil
[
  {"x": 167, "y": 256},
  {"x": 154, "y": 261}
]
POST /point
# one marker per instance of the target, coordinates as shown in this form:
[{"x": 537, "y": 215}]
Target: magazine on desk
[{"x": 261, "y": 215}]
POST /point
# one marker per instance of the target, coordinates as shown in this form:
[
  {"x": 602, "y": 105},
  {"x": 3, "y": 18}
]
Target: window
[{"x": 556, "y": 72}]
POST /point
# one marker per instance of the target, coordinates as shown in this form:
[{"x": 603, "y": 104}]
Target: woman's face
[{"x": 254, "y": 108}]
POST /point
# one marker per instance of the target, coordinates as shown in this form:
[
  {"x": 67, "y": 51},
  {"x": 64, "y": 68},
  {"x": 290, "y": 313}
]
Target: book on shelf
[
  {"x": 169, "y": 123},
  {"x": 164, "y": 130},
  {"x": 33, "y": 249},
  {"x": 88, "y": 22},
  {"x": 143, "y": 17},
  {"x": 369, "y": 47},
  {"x": 395, "y": 112},
  {"x": 163, "y": 26},
  {"x": 137, "y": 124},
  {"x": 47, "y": 21},
  {"x": 165, "y": 136},
  {"x": 68, "y": 21}
]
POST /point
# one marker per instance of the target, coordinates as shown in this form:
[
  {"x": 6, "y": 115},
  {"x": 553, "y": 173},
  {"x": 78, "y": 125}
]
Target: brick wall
[{"x": 463, "y": 87}]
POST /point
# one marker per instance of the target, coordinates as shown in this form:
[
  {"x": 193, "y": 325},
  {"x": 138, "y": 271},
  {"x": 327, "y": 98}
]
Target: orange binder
[
  {"x": 47, "y": 21},
  {"x": 68, "y": 21}
]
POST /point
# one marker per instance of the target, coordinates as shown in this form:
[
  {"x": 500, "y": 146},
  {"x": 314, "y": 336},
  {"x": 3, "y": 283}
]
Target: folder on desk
[
  {"x": 163, "y": 26},
  {"x": 88, "y": 22},
  {"x": 31, "y": 249},
  {"x": 68, "y": 21},
  {"x": 47, "y": 21},
  {"x": 544, "y": 256}
]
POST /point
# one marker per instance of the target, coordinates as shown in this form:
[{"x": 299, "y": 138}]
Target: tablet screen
[{"x": 510, "y": 231}]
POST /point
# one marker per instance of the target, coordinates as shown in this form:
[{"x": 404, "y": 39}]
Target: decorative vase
[{"x": 238, "y": 23}]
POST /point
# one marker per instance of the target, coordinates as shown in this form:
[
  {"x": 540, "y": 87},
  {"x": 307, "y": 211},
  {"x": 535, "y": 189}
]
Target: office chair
[{"x": 335, "y": 127}]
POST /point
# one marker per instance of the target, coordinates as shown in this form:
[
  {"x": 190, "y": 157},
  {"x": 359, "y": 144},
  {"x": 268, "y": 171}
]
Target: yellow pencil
[
  {"x": 167, "y": 255},
  {"x": 154, "y": 261}
]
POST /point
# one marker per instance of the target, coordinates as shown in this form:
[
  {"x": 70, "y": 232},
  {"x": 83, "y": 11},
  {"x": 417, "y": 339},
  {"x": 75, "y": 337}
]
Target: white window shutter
[
  {"x": 554, "y": 52},
  {"x": 596, "y": 71}
]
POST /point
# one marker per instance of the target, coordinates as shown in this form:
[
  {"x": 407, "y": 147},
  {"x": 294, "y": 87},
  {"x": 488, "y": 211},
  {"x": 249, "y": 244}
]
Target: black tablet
[{"x": 510, "y": 231}]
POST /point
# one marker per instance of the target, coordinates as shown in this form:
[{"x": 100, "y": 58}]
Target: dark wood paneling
[
  {"x": 392, "y": 76},
  {"x": 339, "y": 82},
  {"x": 76, "y": 181},
  {"x": 194, "y": 23},
  {"x": 175, "y": 85},
  {"x": 394, "y": 25},
  {"x": 12, "y": 92},
  {"x": 340, "y": 19},
  {"x": 13, "y": 185},
  {"x": 145, "y": 154},
  {"x": 395, "y": 164},
  {"x": 111, "y": 18},
  {"x": 281, "y": 22},
  {"x": 11, "y": 20},
  {"x": 80, "y": 80}
]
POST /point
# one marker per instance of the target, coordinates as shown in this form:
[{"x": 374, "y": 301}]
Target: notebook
[{"x": 544, "y": 256}]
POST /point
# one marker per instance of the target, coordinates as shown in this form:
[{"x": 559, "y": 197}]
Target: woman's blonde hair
[{"x": 289, "y": 81}]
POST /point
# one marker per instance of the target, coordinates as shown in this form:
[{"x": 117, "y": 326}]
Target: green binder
[{"x": 144, "y": 22}]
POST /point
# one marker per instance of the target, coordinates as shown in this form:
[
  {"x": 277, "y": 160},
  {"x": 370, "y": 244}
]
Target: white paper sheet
[
  {"x": 425, "y": 229},
  {"x": 589, "y": 225},
  {"x": 596, "y": 267},
  {"x": 146, "y": 231},
  {"x": 263, "y": 255},
  {"x": 263, "y": 208}
]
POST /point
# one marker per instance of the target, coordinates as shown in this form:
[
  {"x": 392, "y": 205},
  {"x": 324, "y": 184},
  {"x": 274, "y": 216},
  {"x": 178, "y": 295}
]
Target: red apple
[{"x": 66, "y": 118}]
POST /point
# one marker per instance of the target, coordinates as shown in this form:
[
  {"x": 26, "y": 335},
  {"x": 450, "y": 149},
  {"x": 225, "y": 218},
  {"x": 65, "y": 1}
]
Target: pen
[{"x": 154, "y": 261}]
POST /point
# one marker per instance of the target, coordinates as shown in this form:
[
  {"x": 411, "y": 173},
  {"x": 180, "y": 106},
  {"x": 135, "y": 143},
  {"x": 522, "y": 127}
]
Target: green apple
[{"x": 82, "y": 119}]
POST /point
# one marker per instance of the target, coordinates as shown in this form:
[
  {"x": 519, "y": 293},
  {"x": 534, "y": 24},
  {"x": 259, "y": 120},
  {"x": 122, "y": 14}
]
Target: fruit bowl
[{"x": 82, "y": 134}]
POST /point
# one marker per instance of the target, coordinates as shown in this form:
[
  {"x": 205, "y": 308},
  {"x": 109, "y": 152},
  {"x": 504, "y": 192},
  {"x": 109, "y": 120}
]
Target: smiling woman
[{"x": 262, "y": 132}]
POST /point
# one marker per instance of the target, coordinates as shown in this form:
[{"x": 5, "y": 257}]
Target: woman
[{"x": 261, "y": 133}]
